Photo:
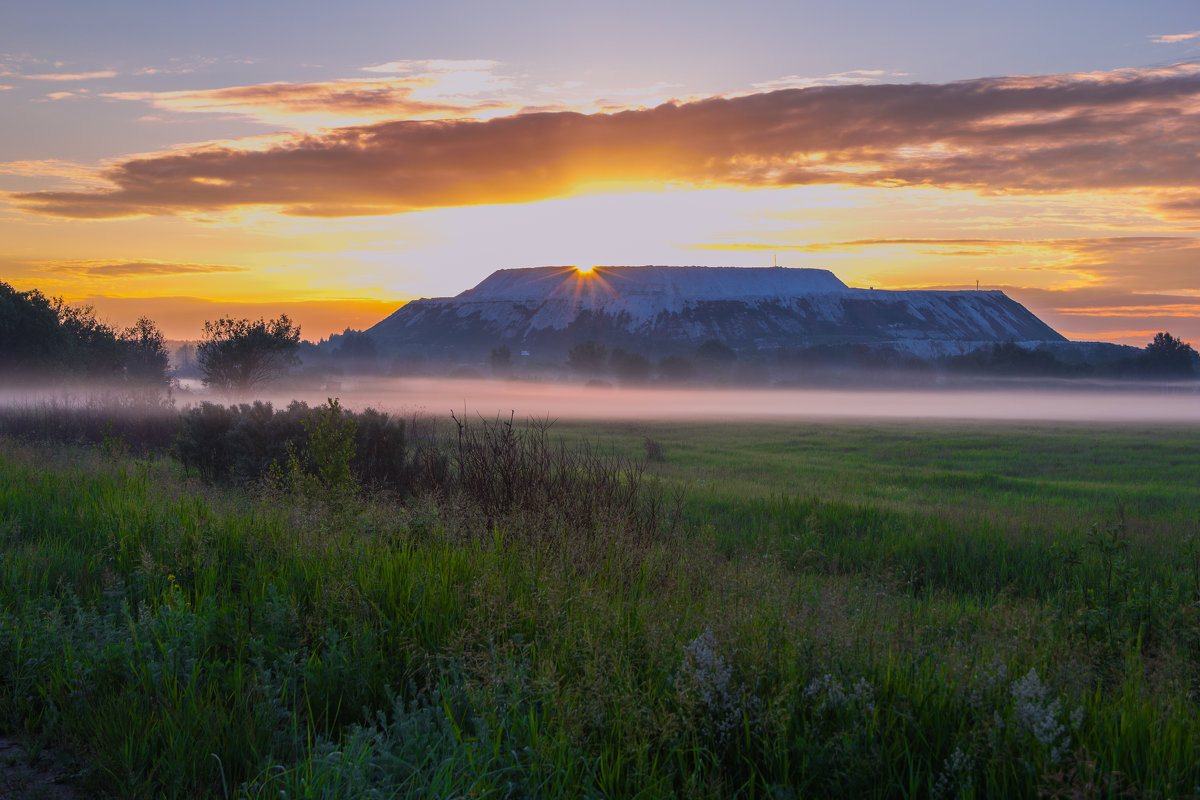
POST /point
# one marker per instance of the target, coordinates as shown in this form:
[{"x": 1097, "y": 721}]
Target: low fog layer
[{"x": 1163, "y": 403}]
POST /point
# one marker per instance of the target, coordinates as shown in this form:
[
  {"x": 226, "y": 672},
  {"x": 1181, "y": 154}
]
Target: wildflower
[
  {"x": 829, "y": 694},
  {"x": 955, "y": 775},
  {"x": 704, "y": 683},
  {"x": 1037, "y": 715}
]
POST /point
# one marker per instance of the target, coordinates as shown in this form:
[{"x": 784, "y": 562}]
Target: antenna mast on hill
[{"x": 776, "y": 257}]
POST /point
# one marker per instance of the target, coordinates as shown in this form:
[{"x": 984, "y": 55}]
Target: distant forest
[{"x": 44, "y": 339}]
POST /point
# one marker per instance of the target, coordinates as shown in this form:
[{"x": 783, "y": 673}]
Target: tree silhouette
[
  {"x": 32, "y": 340},
  {"x": 96, "y": 352},
  {"x": 501, "y": 360},
  {"x": 1168, "y": 356},
  {"x": 630, "y": 367},
  {"x": 237, "y": 355},
  {"x": 588, "y": 357},
  {"x": 146, "y": 357},
  {"x": 676, "y": 368}
]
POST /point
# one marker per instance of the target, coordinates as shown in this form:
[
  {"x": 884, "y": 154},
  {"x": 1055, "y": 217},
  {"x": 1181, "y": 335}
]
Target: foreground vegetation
[{"x": 824, "y": 610}]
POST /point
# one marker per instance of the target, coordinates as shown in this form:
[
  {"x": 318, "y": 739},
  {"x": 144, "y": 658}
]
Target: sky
[{"x": 331, "y": 161}]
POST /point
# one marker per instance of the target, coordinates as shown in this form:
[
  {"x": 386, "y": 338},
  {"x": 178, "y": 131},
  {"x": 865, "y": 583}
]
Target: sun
[{"x": 584, "y": 270}]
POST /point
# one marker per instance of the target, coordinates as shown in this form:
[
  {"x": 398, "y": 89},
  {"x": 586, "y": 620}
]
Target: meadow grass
[{"x": 841, "y": 610}]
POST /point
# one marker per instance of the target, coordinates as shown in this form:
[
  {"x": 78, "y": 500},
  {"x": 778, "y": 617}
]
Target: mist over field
[
  {"x": 1094, "y": 402},
  {"x": 1166, "y": 402}
]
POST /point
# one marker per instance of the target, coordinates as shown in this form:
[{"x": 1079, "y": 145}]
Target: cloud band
[{"x": 1127, "y": 129}]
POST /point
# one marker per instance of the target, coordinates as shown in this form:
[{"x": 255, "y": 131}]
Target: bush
[
  {"x": 201, "y": 441},
  {"x": 244, "y": 443},
  {"x": 676, "y": 369},
  {"x": 330, "y": 447}
]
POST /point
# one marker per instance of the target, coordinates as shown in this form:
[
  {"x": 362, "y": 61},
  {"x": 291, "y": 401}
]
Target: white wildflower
[
  {"x": 829, "y": 694},
  {"x": 955, "y": 775},
  {"x": 704, "y": 671},
  {"x": 704, "y": 682},
  {"x": 992, "y": 678},
  {"x": 1036, "y": 714}
]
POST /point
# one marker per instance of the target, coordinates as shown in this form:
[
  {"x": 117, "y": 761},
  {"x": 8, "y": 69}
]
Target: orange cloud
[
  {"x": 71, "y": 76},
  {"x": 1120, "y": 260},
  {"x": 362, "y": 99},
  {"x": 432, "y": 89},
  {"x": 1135, "y": 262},
  {"x": 131, "y": 269},
  {"x": 1166, "y": 309},
  {"x": 1120, "y": 130},
  {"x": 1172, "y": 38},
  {"x": 985, "y": 245},
  {"x": 51, "y": 167},
  {"x": 1100, "y": 313},
  {"x": 1082, "y": 287}
]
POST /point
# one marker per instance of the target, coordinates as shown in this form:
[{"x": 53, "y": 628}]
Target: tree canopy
[
  {"x": 588, "y": 357},
  {"x": 1168, "y": 356},
  {"x": 146, "y": 356},
  {"x": 32, "y": 339},
  {"x": 715, "y": 351},
  {"x": 237, "y": 355},
  {"x": 630, "y": 367},
  {"x": 43, "y": 337}
]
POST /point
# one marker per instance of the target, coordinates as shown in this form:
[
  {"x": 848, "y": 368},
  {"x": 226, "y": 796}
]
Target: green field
[{"x": 799, "y": 610}]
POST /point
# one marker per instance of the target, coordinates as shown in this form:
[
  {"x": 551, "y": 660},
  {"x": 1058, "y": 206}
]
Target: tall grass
[{"x": 185, "y": 639}]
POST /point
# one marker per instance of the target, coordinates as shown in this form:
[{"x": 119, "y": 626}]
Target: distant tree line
[
  {"x": 43, "y": 337},
  {"x": 593, "y": 360},
  {"x": 1164, "y": 358}
]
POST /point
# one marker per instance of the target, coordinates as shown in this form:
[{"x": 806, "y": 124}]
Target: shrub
[
  {"x": 324, "y": 469},
  {"x": 201, "y": 440},
  {"x": 245, "y": 443}
]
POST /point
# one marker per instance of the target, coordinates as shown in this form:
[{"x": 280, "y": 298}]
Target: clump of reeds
[{"x": 522, "y": 479}]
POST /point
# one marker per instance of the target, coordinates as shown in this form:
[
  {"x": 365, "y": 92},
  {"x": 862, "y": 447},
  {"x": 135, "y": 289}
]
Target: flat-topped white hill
[
  {"x": 539, "y": 284},
  {"x": 543, "y": 311}
]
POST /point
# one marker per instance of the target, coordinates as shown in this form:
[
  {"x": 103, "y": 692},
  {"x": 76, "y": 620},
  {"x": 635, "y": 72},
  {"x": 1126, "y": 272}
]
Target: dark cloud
[{"x": 1129, "y": 129}]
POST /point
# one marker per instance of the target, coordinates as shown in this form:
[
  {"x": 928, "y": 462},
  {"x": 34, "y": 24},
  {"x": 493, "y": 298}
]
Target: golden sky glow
[{"x": 335, "y": 198}]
